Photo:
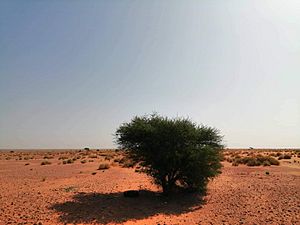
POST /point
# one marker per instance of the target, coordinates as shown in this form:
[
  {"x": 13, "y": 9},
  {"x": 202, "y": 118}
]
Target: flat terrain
[{"x": 69, "y": 189}]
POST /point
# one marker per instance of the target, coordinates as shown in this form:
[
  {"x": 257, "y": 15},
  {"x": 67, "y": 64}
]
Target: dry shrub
[
  {"x": 63, "y": 158},
  {"x": 256, "y": 161},
  {"x": 235, "y": 163},
  {"x": 285, "y": 156},
  {"x": 45, "y": 163},
  {"x": 69, "y": 161},
  {"x": 109, "y": 157},
  {"x": 103, "y": 166}
]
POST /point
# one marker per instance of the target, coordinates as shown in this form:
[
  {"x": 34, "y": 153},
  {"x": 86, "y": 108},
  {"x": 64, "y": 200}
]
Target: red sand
[{"x": 70, "y": 194}]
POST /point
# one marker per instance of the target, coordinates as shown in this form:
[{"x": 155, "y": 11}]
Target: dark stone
[{"x": 131, "y": 194}]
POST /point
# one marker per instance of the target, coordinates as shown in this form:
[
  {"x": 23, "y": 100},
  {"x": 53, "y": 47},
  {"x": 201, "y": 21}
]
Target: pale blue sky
[{"x": 72, "y": 71}]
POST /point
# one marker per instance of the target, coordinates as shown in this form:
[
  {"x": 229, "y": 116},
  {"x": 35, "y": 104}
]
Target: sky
[{"x": 72, "y": 71}]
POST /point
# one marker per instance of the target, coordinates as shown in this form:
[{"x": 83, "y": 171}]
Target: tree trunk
[{"x": 168, "y": 184}]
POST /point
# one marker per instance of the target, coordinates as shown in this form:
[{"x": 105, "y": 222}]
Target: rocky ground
[{"x": 76, "y": 192}]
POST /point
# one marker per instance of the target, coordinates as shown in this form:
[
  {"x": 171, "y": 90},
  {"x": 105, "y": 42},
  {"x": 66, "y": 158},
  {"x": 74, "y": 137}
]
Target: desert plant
[
  {"x": 109, "y": 157},
  {"x": 285, "y": 156},
  {"x": 253, "y": 162},
  {"x": 235, "y": 163},
  {"x": 45, "y": 163},
  {"x": 273, "y": 161},
  {"x": 69, "y": 161},
  {"x": 266, "y": 163},
  {"x": 173, "y": 151},
  {"x": 103, "y": 166},
  {"x": 62, "y": 158}
]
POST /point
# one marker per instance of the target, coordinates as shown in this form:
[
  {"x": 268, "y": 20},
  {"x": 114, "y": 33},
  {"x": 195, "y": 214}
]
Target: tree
[{"x": 175, "y": 152}]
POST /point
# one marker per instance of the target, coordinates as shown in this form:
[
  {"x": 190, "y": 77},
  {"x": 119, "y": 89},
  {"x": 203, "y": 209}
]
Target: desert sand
[{"x": 76, "y": 192}]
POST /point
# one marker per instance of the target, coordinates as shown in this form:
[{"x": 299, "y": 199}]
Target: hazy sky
[{"x": 72, "y": 71}]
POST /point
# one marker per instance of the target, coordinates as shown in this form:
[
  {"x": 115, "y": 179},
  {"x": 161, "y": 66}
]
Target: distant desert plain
[{"x": 256, "y": 186}]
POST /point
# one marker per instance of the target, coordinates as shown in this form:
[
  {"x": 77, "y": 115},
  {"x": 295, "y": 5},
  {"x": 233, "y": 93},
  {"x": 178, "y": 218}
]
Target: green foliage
[
  {"x": 256, "y": 160},
  {"x": 175, "y": 152}
]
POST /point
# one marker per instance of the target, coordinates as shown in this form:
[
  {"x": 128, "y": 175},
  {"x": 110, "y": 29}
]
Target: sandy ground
[{"x": 72, "y": 194}]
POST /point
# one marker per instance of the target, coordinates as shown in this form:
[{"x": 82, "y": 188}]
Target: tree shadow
[{"x": 114, "y": 207}]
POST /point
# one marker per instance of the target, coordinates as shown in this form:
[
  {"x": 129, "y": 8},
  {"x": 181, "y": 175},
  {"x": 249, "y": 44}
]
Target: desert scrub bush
[
  {"x": 273, "y": 161},
  {"x": 103, "y": 166},
  {"x": 74, "y": 159},
  {"x": 45, "y": 163},
  {"x": 93, "y": 156},
  {"x": 230, "y": 160},
  {"x": 257, "y": 160},
  {"x": 266, "y": 163},
  {"x": 69, "y": 161},
  {"x": 175, "y": 152},
  {"x": 253, "y": 162},
  {"x": 128, "y": 164},
  {"x": 235, "y": 163},
  {"x": 62, "y": 158},
  {"x": 117, "y": 160},
  {"x": 285, "y": 156},
  {"x": 109, "y": 157},
  {"x": 69, "y": 189},
  {"x": 83, "y": 161}
]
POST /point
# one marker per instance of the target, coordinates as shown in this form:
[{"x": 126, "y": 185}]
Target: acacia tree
[{"x": 175, "y": 152}]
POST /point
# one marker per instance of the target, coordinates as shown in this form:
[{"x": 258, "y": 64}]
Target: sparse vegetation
[
  {"x": 103, "y": 166},
  {"x": 257, "y": 160},
  {"x": 93, "y": 156},
  {"x": 45, "y": 163},
  {"x": 63, "y": 158},
  {"x": 175, "y": 152},
  {"x": 69, "y": 189}
]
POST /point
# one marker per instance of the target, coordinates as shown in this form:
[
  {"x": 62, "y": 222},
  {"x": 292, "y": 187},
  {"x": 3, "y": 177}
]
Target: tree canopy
[{"x": 175, "y": 152}]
